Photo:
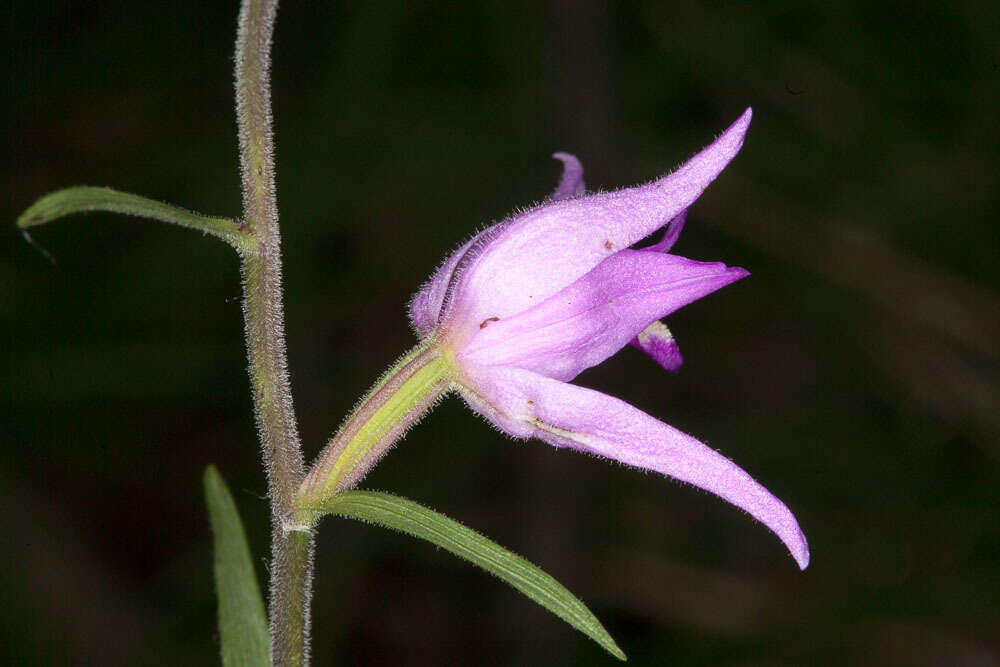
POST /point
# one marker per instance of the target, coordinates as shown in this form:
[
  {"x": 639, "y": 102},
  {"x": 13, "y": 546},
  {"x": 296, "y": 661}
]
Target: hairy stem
[{"x": 291, "y": 553}]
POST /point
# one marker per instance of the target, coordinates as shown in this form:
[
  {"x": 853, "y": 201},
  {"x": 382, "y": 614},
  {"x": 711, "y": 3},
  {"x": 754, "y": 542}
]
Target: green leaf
[
  {"x": 242, "y": 621},
  {"x": 84, "y": 198},
  {"x": 408, "y": 517}
]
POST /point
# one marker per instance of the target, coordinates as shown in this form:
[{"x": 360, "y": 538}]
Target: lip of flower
[{"x": 526, "y": 305}]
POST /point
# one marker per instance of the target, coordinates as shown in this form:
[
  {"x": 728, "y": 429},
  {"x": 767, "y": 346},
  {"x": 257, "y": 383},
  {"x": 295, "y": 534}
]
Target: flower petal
[
  {"x": 671, "y": 234},
  {"x": 658, "y": 342},
  {"x": 597, "y": 315},
  {"x": 426, "y": 304},
  {"x": 572, "y": 184},
  {"x": 541, "y": 251},
  {"x": 525, "y": 404}
]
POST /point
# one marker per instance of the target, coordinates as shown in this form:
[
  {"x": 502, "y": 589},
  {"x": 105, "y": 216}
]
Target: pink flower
[{"x": 529, "y": 303}]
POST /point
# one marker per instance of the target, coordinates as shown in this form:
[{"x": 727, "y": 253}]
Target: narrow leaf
[
  {"x": 242, "y": 621},
  {"x": 82, "y": 199},
  {"x": 408, "y": 517}
]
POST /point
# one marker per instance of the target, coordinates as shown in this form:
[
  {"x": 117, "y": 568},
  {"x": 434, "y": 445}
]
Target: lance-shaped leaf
[
  {"x": 242, "y": 621},
  {"x": 413, "y": 519},
  {"x": 82, "y": 199}
]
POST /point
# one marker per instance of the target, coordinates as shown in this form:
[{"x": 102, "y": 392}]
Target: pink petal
[
  {"x": 539, "y": 252},
  {"x": 527, "y": 404},
  {"x": 597, "y": 315},
  {"x": 657, "y": 341},
  {"x": 572, "y": 184},
  {"x": 426, "y": 304},
  {"x": 672, "y": 233}
]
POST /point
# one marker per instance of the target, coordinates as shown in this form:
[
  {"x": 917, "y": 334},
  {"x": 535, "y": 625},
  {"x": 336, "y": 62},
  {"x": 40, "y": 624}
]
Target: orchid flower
[{"x": 526, "y": 305}]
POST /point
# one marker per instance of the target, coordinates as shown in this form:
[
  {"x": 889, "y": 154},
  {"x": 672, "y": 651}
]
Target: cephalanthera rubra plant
[{"x": 507, "y": 321}]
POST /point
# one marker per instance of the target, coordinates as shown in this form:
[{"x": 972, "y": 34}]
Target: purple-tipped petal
[
  {"x": 658, "y": 342},
  {"x": 572, "y": 184},
  {"x": 597, "y": 315},
  {"x": 543, "y": 250},
  {"x": 525, "y": 403},
  {"x": 672, "y": 233}
]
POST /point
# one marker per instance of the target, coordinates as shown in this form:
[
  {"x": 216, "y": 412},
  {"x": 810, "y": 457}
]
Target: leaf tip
[
  {"x": 36, "y": 245},
  {"x": 29, "y": 219},
  {"x": 211, "y": 476},
  {"x": 607, "y": 642},
  {"x": 616, "y": 651}
]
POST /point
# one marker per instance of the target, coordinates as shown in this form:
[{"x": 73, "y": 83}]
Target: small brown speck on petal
[
  {"x": 485, "y": 322},
  {"x": 609, "y": 245}
]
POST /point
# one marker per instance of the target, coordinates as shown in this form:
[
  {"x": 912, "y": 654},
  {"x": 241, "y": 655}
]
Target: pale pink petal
[
  {"x": 541, "y": 251},
  {"x": 597, "y": 315},
  {"x": 658, "y": 342},
  {"x": 426, "y": 304},
  {"x": 527, "y": 404},
  {"x": 572, "y": 184}
]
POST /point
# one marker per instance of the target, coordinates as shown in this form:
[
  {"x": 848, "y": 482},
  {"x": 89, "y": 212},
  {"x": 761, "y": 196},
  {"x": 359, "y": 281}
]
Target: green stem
[
  {"x": 396, "y": 402},
  {"x": 291, "y": 589},
  {"x": 291, "y": 552}
]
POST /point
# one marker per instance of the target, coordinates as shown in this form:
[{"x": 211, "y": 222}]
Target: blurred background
[{"x": 856, "y": 374}]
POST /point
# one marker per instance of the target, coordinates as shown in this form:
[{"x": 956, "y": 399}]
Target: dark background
[{"x": 856, "y": 373}]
